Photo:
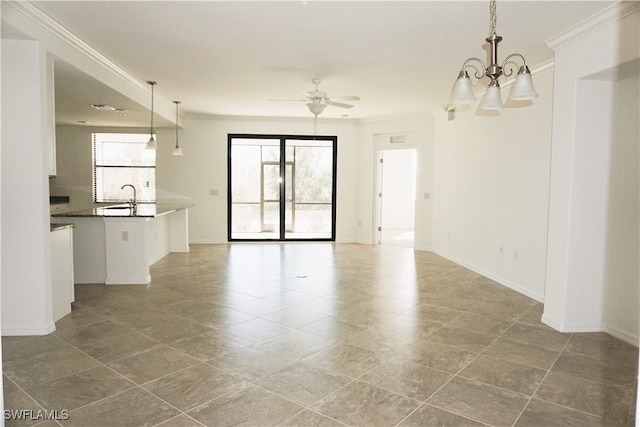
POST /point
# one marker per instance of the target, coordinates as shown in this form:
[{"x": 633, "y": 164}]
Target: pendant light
[
  {"x": 523, "y": 89},
  {"x": 152, "y": 144},
  {"x": 177, "y": 151}
]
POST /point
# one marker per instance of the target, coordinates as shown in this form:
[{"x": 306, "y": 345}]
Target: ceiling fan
[{"x": 317, "y": 100}]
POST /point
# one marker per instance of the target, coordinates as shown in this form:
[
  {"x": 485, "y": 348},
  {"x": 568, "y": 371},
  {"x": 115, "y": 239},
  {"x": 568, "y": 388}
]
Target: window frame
[{"x": 142, "y": 160}]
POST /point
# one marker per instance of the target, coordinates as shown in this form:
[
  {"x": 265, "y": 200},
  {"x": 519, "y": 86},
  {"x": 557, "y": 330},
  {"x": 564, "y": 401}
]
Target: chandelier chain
[{"x": 493, "y": 17}]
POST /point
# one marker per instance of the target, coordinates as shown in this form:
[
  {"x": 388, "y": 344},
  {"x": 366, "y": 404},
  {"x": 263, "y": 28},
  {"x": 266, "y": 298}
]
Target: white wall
[
  {"x": 583, "y": 131},
  {"x": 491, "y": 190},
  {"x": 419, "y": 130},
  {"x": 1, "y": 259},
  {"x": 623, "y": 241},
  {"x": 203, "y": 168},
  {"x": 26, "y": 255}
]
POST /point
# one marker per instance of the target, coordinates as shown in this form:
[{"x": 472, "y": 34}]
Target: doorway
[
  {"x": 397, "y": 173},
  {"x": 281, "y": 187}
]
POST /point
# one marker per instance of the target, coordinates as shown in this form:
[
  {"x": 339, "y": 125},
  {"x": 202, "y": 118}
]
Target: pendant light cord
[
  {"x": 177, "y": 102},
  {"x": 152, "y": 83}
]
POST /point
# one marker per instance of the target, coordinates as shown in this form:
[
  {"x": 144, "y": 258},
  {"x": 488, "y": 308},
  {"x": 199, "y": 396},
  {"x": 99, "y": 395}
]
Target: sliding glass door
[{"x": 282, "y": 187}]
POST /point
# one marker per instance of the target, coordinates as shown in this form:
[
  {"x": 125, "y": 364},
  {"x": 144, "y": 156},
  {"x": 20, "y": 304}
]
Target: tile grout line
[
  {"x": 543, "y": 379},
  {"x": 190, "y": 278},
  {"x": 134, "y": 384},
  {"x": 457, "y": 374},
  {"x": 452, "y": 376}
]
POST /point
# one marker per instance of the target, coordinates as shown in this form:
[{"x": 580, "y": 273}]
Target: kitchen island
[
  {"x": 117, "y": 244},
  {"x": 62, "y": 292}
]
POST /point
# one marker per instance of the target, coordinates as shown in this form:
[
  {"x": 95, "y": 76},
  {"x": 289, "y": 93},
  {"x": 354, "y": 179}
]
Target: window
[{"x": 119, "y": 159}]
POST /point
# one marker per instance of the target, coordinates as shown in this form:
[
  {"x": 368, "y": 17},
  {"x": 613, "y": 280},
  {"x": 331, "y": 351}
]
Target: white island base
[{"x": 118, "y": 250}]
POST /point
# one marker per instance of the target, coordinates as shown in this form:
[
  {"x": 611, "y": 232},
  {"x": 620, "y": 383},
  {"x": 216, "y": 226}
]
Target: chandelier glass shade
[
  {"x": 523, "y": 89},
  {"x": 492, "y": 99},
  {"x": 462, "y": 90}
]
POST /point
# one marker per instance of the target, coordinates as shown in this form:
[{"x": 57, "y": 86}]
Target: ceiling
[{"x": 236, "y": 57}]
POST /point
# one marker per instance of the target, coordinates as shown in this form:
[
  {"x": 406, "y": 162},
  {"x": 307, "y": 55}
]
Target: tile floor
[{"x": 315, "y": 335}]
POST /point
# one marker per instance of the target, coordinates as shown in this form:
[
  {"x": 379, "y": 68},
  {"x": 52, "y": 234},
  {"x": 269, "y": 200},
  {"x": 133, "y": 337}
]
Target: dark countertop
[
  {"x": 61, "y": 226},
  {"x": 143, "y": 210},
  {"x": 58, "y": 200}
]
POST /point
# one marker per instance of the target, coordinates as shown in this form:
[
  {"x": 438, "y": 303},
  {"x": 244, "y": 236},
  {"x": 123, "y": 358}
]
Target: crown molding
[
  {"x": 607, "y": 16},
  {"x": 52, "y": 27},
  {"x": 28, "y": 18}
]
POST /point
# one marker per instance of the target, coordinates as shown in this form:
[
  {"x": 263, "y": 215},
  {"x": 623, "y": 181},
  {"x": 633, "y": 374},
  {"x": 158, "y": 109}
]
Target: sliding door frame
[{"x": 283, "y": 196}]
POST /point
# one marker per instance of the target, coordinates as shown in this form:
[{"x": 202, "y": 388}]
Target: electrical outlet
[
  {"x": 501, "y": 251},
  {"x": 125, "y": 236},
  {"x": 516, "y": 255},
  {"x": 213, "y": 192}
]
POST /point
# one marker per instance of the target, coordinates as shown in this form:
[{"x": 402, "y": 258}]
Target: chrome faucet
[{"x": 133, "y": 203}]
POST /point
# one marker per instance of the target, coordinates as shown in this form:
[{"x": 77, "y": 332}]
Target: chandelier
[{"x": 522, "y": 90}]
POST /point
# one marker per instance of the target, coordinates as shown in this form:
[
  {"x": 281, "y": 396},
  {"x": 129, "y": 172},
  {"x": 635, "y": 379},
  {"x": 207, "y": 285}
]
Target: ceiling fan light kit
[
  {"x": 316, "y": 107},
  {"x": 523, "y": 89}
]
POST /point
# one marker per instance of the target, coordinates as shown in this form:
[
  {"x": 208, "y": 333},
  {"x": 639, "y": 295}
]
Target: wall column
[
  {"x": 26, "y": 252},
  {"x": 588, "y": 61}
]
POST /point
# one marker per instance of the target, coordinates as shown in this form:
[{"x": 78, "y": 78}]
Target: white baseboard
[
  {"x": 159, "y": 257},
  {"x": 498, "y": 279},
  {"x": 142, "y": 280},
  {"x": 616, "y": 332},
  {"x": 22, "y": 330},
  {"x": 206, "y": 242},
  {"x": 625, "y": 336},
  {"x": 569, "y": 328},
  {"x": 550, "y": 323}
]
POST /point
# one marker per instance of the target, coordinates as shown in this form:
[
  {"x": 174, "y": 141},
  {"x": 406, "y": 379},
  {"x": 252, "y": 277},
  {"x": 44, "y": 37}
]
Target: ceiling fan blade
[
  {"x": 347, "y": 98},
  {"x": 319, "y": 99},
  {"x": 337, "y": 104},
  {"x": 287, "y": 100}
]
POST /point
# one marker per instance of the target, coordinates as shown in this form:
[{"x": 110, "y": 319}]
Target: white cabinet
[
  {"x": 62, "y": 270},
  {"x": 51, "y": 116}
]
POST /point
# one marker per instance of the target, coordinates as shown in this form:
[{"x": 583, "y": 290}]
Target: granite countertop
[
  {"x": 61, "y": 226},
  {"x": 143, "y": 210},
  {"x": 58, "y": 200}
]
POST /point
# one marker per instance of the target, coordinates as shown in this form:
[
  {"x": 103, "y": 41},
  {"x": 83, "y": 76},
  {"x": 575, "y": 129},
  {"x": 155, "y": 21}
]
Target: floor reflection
[{"x": 316, "y": 334}]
